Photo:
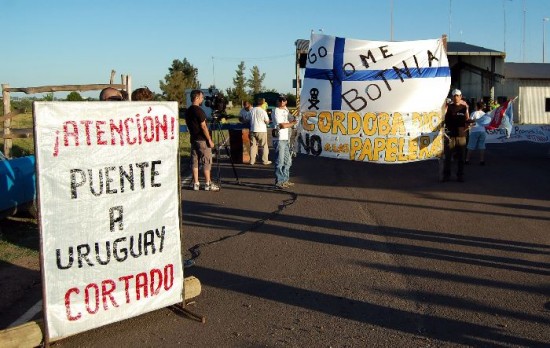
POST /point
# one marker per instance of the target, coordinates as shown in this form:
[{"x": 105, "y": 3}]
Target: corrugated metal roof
[
  {"x": 531, "y": 71},
  {"x": 464, "y": 49}
]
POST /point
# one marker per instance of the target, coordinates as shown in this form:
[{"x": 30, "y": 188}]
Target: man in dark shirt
[
  {"x": 201, "y": 142},
  {"x": 456, "y": 118}
]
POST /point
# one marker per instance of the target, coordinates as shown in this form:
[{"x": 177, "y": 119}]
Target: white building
[{"x": 531, "y": 83}]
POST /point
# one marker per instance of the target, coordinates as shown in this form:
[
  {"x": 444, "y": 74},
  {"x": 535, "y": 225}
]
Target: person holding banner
[
  {"x": 476, "y": 141},
  {"x": 281, "y": 143},
  {"x": 201, "y": 142},
  {"x": 456, "y": 118}
]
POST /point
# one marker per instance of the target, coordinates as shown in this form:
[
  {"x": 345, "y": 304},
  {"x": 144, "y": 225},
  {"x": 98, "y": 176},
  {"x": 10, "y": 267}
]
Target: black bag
[{"x": 275, "y": 132}]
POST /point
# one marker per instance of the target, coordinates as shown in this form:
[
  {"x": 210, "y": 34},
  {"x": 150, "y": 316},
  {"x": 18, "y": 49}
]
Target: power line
[{"x": 253, "y": 58}]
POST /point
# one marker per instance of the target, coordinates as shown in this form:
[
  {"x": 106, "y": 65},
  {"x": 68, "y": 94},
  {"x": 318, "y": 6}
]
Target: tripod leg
[
  {"x": 224, "y": 142},
  {"x": 232, "y": 164}
]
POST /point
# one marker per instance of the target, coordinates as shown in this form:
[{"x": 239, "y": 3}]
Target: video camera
[{"x": 216, "y": 101}]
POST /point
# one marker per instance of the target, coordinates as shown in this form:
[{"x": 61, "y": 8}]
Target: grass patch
[{"x": 19, "y": 238}]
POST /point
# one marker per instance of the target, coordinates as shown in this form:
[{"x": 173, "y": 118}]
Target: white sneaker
[
  {"x": 211, "y": 187},
  {"x": 196, "y": 186}
]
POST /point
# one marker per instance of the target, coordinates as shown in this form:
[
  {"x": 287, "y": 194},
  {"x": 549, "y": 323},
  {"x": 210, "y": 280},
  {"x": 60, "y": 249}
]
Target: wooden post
[
  {"x": 7, "y": 122},
  {"x": 128, "y": 84},
  {"x": 112, "y": 79}
]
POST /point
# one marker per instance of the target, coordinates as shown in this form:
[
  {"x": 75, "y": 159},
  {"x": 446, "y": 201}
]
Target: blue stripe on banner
[
  {"x": 375, "y": 75},
  {"x": 338, "y": 73}
]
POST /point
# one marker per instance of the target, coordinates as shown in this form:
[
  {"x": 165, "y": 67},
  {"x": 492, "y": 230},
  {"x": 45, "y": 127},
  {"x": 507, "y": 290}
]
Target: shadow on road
[{"x": 456, "y": 331}]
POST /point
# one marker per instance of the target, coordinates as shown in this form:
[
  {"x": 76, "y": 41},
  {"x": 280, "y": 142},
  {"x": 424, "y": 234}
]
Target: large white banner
[
  {"x": 373, "y": 101},
  {"x": 109, "y": 211}
]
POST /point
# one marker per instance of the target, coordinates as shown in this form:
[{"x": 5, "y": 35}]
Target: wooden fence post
[
  {"x": 7, "y": 122},
  {"x": 128, "y": 84}
]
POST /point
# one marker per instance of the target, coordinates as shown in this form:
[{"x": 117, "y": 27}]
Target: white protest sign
[
  {"x": 373, "y": 101},
  {"x": 109, "y": 211}
]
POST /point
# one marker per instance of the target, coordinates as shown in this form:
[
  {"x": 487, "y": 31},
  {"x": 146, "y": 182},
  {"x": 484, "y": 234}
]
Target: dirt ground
[{"x": 20, "y": 285}]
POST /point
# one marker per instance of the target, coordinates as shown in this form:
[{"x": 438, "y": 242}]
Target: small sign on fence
[{"x": 108, "y": 189}]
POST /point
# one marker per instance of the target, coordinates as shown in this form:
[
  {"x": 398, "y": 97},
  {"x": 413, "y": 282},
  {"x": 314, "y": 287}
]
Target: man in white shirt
[
  {"x": 281, "y": 143},
  {"x": 258, "y": 133}
]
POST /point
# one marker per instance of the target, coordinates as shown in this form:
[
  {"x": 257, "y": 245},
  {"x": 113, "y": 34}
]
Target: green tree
[
  {"x": 238, "y": 94},
  {"x": 291, "y": 100},
  {"x": 48, "y": 97},
  {"x": 255, "y": 82},
  {"x": 74, "y": 96},
  {"x": 24, "y": 104},
  {"x": 181, "y": 76}
]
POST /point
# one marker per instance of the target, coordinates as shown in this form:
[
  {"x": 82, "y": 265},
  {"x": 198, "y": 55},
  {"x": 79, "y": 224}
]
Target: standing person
[
  {"x": 456, "y": 118},
  {"x": 110, "y": 93},
  {"x": 281, "y": 143},
  {"x": 258, "y": 133},
  {"x": 476, "y": 141},
  {"x": 142, "y": 94},
  {"x": 244, "y": 115},
  {"x": 201, "y": 142},
  {"x": 264, "y": 104}
]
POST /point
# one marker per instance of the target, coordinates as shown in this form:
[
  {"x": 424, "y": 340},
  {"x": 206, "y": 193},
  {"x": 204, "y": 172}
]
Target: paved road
[{"x": 359, "y": 254}]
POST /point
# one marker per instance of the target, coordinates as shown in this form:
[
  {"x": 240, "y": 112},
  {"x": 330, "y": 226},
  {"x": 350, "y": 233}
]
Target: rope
[{"x": 196, "y": 249}]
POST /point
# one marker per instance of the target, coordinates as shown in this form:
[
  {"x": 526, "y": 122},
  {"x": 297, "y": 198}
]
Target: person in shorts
[{"x": 201, "y": 142}]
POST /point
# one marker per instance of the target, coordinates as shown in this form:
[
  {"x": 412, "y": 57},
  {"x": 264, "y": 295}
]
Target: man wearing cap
[{"x": 456, "y": 117}]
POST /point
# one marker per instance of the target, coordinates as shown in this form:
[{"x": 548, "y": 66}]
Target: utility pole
[
  {"x": 391, "y": 20},
  {"x": 450, "y": 17},
  {"x": 523, "y": 43},
  {"x": 544, "y": 20}
]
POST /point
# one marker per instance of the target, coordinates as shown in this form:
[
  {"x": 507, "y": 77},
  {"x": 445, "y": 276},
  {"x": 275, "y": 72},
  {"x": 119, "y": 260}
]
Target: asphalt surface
[{"x": 360, "y": 254}]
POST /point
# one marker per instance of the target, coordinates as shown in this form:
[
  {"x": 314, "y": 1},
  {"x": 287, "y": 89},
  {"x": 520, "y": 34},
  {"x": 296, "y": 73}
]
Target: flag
[
  {"x": 375, "y": 101},
  {"x": 503, "y": 117}
]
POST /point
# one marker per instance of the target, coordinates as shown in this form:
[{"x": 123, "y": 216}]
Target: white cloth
[
  {"x": 474, "y": 116},
  {"x": 281, "y": 116},
  {"x": 258, "y": 119}
]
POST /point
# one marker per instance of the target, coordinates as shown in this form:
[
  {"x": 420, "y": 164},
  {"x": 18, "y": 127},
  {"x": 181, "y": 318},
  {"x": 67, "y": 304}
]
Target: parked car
[{"x": 17, "y": 185}]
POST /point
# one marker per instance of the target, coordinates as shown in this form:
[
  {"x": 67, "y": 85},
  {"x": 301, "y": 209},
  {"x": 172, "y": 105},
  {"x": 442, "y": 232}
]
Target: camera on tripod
[{"x": 216, "y": 102}]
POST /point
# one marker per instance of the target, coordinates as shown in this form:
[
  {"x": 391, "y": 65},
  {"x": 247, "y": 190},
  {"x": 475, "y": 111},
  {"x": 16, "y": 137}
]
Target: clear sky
[{"x": 81, "y": 41}]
